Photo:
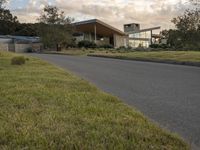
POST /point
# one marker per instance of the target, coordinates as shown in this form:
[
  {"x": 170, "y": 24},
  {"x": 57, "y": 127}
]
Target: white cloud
[{"x": 115, "y": 12}]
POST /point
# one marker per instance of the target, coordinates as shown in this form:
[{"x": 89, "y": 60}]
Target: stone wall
[
  {"x": 120, "y": 41},
  {"x": 36, "y": 47},
  {"x": 21, "y": 48}
]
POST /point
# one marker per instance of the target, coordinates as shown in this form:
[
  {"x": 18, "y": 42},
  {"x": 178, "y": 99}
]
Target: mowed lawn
[
  {"x": 44, "y": 107},
  {"x": 179, "y": 56}
]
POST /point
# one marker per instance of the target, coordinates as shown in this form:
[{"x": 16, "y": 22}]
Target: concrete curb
[{"x": 186, "y": 63}]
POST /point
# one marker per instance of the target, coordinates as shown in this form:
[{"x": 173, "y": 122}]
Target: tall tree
[
  {"x": 52, "y": 15},
  {"x": 55, "y": 28},
  {"x": 2, "y": 2},
  {"x": 187, "y": 27},
  {"x": 8, "y": 22}
]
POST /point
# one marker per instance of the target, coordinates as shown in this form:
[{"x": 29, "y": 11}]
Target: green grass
[
  {"x": 73, "y": 52},
  {"x": 179, "y": 56},
  {"x": 44, "y": 107}
]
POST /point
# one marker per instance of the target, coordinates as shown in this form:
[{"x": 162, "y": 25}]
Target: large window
[
  {"x": 146, "y": 34},
  {"x": 139, "y": 43}
]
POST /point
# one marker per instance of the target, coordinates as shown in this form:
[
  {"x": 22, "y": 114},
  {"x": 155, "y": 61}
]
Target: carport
[{"x": 100, "y": 32}]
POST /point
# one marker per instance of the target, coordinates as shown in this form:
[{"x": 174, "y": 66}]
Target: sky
[{"x": 148, "y": 13}]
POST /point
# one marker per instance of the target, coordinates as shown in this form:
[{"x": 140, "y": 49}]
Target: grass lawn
[
  {"x": 179, "y": 56},
  {"x": 73, "y": 52},
  {"x": 44, "y": 107}
]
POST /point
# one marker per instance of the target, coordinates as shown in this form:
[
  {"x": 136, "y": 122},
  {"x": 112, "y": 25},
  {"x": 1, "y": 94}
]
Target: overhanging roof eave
[
  {"x": 95, "y": 21},
  {"x": 145, "y": 30}
]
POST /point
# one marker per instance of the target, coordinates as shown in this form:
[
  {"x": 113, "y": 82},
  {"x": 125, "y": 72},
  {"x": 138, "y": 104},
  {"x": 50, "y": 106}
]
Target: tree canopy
[
  {"x": 2, "y": 2},
  {"x": 187, "y": 32},
  {"x": 55, "y": 29},
  {"x": 52, "y": 15}
]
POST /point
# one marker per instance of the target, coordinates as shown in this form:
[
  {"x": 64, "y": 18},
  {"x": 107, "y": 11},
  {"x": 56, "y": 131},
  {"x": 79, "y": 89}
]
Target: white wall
[
  {"x": 4, "y": 47},
  {"x": 120, "y": 41},
  {"x": 21, "y": 48}
]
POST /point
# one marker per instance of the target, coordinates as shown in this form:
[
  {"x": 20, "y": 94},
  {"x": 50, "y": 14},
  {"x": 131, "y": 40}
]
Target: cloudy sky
[{"x": 115, "y": 12}]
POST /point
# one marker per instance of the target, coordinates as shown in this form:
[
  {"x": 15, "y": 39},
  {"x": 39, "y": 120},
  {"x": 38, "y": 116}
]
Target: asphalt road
[{"x": 168, "y": 94}]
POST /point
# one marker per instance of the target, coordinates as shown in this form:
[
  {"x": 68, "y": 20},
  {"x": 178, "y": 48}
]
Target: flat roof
[
  {"x": 102, "y": 27},
  {"x": 21, "y": 38},
  {"x": 144, "y": 30}
]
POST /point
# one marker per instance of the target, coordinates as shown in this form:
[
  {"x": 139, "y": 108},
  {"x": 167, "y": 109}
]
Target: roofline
[
  {"x": 19, "y": 36},
  {"x": 100, "y": 22},
  {"x": 144, "y": 30}
]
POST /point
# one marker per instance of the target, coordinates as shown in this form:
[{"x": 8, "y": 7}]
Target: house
[
  {"x": 19, "y": 44},
  {"x": 99, "y": 32},
  {"x": 140, "y": 37}
]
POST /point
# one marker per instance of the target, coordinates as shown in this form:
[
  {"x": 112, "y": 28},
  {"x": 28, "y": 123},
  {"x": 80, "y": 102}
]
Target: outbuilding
[{"x": 19, "y": 44}]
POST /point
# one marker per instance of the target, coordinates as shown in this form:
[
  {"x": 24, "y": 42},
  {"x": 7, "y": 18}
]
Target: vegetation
[
  {"x": 86, "y": 44},
  {"x": 106, "y": 46},
  {"x": 44, "y": 107},
  {"x": 163, "y": 46},
  {"x": 187, "y": 32},
  {"x": 18, "y": 60},
  {"x": 55, "y": 29},
  {"x": 73, "y": 52},
  {"x": 179, "y": 56},
  {"x": 7, "y": 20}
]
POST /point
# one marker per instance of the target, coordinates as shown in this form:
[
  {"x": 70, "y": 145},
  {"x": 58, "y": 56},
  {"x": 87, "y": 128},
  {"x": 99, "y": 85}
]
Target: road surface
[{"x": 168, "y": 94}]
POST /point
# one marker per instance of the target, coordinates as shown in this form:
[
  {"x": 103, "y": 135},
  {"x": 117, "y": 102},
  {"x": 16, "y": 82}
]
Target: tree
[
  {"x": 188, "y": 27},
  {"x": 52, "y": 15},
  {"x": 55, "y": 28},
  {"x": 2, "y": 2},
  {"x": 5, "y": 15},
  {"x": 195, "y": 2},
  {"x": 27, "y": 29},
  {"x": 8, "y": 22}
]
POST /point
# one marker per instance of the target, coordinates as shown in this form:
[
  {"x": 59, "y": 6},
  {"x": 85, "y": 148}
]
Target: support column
[
  {"x": 114, "y": 41},
  {"x": 90, "y": 35},
  {"x": 151, "y": 38},
  {"x": 95, "y": 33}
]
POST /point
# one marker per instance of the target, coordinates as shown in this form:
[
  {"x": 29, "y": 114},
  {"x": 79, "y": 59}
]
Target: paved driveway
[{"x": 168, "y": 94}]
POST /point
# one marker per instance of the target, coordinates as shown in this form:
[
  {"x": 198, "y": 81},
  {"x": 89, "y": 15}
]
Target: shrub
[
  {"x": 29, "y": 50},
  {"x": 164, "y": 46},
  {"x": 154, "y": 46},
  {"x": 106, "y": 46},
  {"x": 123, "y": 48},
  {"x": 18, "y": 60},
  {"x": 87, "y": 44},
  {"x": 91, "y": 51}
]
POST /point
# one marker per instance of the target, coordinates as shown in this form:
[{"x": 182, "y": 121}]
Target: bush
[
  {"x": 87, "y": 44},
  {"x": 123, "y": 48},
  {"x": 106, "y": 46},
  {"x": 18, "y": 60},
  {"x": 164, "y": 46},
  {"x": 154, "y": 46},
  {"x": 29, "y": 50}
]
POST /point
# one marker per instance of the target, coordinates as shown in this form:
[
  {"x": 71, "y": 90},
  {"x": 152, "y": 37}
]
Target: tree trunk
[{"x": 58, "y": 47}]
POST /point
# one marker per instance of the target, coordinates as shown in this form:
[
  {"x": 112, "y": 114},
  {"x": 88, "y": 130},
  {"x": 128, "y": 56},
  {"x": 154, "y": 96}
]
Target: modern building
[
  {"x": 100, "y": 33},
  {"x": 140, "y": 37},
  {"x": 19, "y": 44}
]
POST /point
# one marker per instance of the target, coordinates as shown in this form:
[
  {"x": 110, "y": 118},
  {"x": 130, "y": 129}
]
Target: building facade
[
  {"x": 19, "y": 44},
  {"x": 139, "y": 37},
  {"x": 100, "y": 33},
  {"x": 104, "y": 34}
]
